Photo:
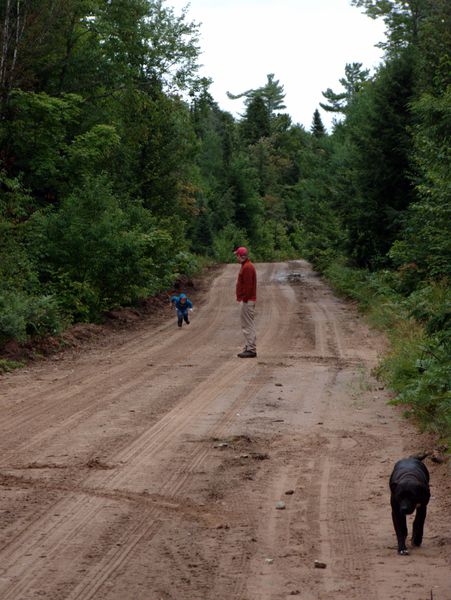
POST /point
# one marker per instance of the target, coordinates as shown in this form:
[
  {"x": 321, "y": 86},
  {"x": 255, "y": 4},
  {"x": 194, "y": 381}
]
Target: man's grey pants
[{"x": 248, "y": 325}]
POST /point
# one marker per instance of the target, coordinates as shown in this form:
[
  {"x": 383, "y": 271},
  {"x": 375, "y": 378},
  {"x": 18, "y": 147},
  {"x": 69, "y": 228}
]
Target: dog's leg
[
  {"x": 418, "y": 525},
  {"x": 400, "y": 525}
]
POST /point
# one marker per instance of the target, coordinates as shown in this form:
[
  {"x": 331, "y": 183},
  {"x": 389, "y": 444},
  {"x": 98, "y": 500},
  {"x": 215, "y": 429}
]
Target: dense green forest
[{"x": 119, "y": 171}]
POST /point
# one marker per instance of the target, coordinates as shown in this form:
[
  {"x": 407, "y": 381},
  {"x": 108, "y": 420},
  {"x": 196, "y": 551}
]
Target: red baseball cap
[{"x": 241, "y": 251}]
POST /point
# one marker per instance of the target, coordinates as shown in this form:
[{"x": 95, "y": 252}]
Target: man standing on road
[{"x": 246, "y": 294}]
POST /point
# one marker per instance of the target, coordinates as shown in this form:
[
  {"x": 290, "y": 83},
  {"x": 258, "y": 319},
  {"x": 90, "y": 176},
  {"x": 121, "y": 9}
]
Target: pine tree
[
  {"x": 256, "y": 122},
  {"x": 317, "y": 129},
  {"x": 272, "y": 94},
  {"x": 377, "y": 169},
  {"x": 353, "y": 81},
  {"x": 402, "y": 18}
]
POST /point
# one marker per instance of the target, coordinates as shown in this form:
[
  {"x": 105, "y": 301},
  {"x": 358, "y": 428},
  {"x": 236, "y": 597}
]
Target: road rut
[{"x": 151, "y": 468}]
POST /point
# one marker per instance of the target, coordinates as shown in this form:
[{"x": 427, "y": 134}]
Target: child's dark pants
[{"x": 182, "y": 316}]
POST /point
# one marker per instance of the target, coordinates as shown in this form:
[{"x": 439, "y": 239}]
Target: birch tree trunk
[
  {"x": 13, "y": 28},
  {"x": 5, "y": 45},
  {"x": 18, "y": 35}
]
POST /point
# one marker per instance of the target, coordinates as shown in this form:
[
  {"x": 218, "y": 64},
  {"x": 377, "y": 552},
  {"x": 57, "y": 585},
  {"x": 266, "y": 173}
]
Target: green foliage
[
  {"x": 16, "y": 269},
  {"x": 23, "y": 315},
  {"x": 377, "y": 182},
  {"x": 78, "y": 300},
  {"x": 24, "y": 309},
  {"x": 418, "y": 326},
  {"x": 431, "y": 306},
  {"x": 14, "y": 308},
  {"x": 91, "y": 151},
  {"x": 272, "y": 94},
  {"x": 353, "y": 81},
  {"x": 373, "y": 294},
  {"x": 425, "y": 241},
  {"x": 163, "y": 167},
  {"x": 272, "y": 242},
  {"x": 323, "y": 236},
  {"x": 317, "y": 128},
  {"x": 402, "y": 19},
  {"x": 97, "y": 254},
  {"x": 16, "y": 203},
  {"x": 226, "y": 240},
  {"x": 256, "y": 123},
  {"x": 37, "y": 135},
  {"x": 110, "y": 180},
  {"x": 322, "y": 239},
  {"x": 44, "y": 316},
  {"x": 6, "y": 366},
  {"x": 434, "y": 43},
  {"x": 422, "y": 378},
  {"x": 243, "y": 182}
]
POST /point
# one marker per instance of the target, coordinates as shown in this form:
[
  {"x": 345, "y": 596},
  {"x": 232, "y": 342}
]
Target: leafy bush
[
  {"x": 431, "y": 305},
  {"x": 272, "y": 242},
  {"x": 44, "y": 316},
  {"x": 400, "y": 366},
  {"x": 425, "y": 385},
  {"x": 22, "y": 315},
  {"x": 425, "y": 243},
  {"x": 38, "y": 134},
  {"x": 348, "y": 282},
  {"x": 9, "y": 365},
  {"x": 226, "y": 240},
  {"x": 97, "y": 253},
  {"x": 417, "y": 367},
  {"x": 14, "y": 307}
]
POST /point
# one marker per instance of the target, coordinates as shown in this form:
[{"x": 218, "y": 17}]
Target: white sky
[{"x": 305, "y": 43}]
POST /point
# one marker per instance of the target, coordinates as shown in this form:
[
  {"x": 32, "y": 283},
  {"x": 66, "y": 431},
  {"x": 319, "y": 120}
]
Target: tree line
[{"x": 119, "y": 171}]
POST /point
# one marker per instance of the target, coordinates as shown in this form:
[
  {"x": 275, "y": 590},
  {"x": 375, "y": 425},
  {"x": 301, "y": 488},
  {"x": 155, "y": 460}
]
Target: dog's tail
[{"x": 421, "y": 455}]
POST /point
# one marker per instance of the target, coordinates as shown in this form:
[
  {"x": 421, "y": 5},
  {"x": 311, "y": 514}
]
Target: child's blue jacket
[{"x": 181, "y": 307}]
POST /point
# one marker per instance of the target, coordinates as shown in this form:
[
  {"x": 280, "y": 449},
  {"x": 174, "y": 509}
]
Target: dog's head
[
  {"x": 409, "y": 484},
  {"x": 407, "y": 503},
  {"x": 409, "y": 494}
]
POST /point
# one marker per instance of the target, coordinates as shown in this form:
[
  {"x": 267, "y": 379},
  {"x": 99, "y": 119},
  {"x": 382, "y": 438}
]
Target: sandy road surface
[{"x": 151, "y": 469}]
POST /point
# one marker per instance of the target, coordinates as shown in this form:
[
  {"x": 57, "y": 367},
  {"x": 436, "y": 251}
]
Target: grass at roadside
[
  {"x": 6, "y": 366},
  {"x": 418, "y": 326}
]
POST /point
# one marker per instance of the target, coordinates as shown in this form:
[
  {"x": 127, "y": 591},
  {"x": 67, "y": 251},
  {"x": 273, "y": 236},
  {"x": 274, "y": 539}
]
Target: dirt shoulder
[{"x": 156, "y": 465}]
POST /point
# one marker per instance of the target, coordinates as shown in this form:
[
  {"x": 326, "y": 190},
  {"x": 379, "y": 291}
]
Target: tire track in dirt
[
  {"x": 77, "y": 513},
  {"x": 343, "y": 543},
  {"x": 297, "y": 467},
  {"x": 77, "y": 405},
  {"x": 239, "y": 568},
  {"x": 72, "y": 509},
  {"x": 330, "y": 346},
  {"x": 115, "y": 533},
  {"x": 196, "y": 457},
  {"x": 328, "y": 338},
  {"x": 338, "y": 504},
  {"x": 144, "y": 447}
]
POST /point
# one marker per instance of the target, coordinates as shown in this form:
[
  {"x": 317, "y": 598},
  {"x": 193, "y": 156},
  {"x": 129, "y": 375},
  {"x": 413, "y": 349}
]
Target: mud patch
[{"x": 96, "y": 463}]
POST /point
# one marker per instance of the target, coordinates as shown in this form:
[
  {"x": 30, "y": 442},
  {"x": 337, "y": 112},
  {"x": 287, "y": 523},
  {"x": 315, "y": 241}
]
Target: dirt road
[{"x": 151, "y": 467}]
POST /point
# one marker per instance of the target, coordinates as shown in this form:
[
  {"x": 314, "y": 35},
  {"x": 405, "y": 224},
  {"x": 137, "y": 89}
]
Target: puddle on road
[{"x": 292, "y": 277}]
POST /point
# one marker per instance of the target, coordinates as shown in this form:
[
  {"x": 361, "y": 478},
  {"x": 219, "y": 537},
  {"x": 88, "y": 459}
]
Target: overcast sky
[{"x": 305, "y": 43}]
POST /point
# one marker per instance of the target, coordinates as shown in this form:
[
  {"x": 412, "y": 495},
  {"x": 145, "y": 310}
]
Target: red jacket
[{"x": 246, "y": 285}]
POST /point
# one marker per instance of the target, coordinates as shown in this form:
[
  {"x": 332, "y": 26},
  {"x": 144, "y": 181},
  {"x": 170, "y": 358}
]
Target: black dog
[{"x": 409, "y": 485}]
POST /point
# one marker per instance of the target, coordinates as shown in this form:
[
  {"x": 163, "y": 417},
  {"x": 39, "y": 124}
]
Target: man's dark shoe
[{"x": 247, "y": 354}]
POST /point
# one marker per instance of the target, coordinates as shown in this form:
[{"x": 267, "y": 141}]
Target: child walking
[{"x": 182, "y": 305}]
